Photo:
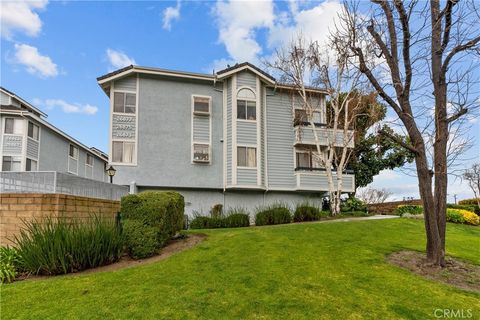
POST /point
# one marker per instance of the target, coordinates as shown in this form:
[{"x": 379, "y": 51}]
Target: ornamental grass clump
[
  {"x": 307, "y": 212},
  {"x": 58, "y": 246},
  {"x": 230, "y": 218},
  {"x": 278, "y": 213}
]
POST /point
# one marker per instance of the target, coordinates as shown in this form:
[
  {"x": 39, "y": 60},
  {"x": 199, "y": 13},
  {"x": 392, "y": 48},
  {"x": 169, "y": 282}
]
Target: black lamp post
[{"x": 111, "y": 172}]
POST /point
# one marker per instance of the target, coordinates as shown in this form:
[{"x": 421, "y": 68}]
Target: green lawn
[{"x": 298, "y": 271}]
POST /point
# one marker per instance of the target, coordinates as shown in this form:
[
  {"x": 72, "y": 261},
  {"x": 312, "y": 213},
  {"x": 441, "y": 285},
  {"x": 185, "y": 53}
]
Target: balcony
[
  {"x": 316, "y": 180},
  {"x": 304, "y": 136}
]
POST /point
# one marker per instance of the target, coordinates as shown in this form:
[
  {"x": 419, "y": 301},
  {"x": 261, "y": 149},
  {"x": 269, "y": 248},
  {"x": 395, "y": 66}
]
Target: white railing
[
  {"x": 304, "y": 135},
  {"x": 57, "y": 182}
]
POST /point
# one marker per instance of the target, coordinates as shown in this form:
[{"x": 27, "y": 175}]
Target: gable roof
[
  {"x": 27, "y": 105},
  {"x": 246, "y": 65}
]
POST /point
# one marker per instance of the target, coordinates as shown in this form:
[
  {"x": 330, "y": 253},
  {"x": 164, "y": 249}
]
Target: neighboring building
[
  {"x": 234, "y": 138},
  {"x": 29, "y": 143}
]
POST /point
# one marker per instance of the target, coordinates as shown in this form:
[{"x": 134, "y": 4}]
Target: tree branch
[
  {"x": 457, "y": 115},
  {"x": 461, "y": 47},
  {"x": 399, "y": 141}
]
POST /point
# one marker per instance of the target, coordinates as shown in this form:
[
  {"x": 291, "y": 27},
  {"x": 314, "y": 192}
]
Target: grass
[{"x": 300, "y": 271}]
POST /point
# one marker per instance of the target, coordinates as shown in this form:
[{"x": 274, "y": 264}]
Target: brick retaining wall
[
  {"x": 389, "y": 207},
  {"x": 15, "y": 207}
]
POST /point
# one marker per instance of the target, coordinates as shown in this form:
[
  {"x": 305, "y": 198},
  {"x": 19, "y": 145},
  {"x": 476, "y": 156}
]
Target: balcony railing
[
  {"x": 304, "y": 136},
  {"x": 318, "y": 181}
]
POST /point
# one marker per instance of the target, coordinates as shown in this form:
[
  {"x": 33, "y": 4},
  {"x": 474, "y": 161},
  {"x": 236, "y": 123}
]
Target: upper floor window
[
  {"x": 13, "y": 126},
  {"x": 73, "y": 152},
  {"x": 123, "y": 151},
  {"x": 246, "y": 105},
  {"x": 246, "y": 157},
  {"x": 33, "y": 131},
  {"x": 10, "y": 163},
  {"x": 301, "y": 117},
  {"x": 308, "y": 159},
  {"x": 201, "y": 105},
  {"x": 201, "y": 152},
  {"x": 89, "y": 160},
  {"x": 31, "y": 165},
  {"x": 124, "y": 102}
]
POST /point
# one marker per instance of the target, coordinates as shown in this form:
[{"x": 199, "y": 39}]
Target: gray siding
[
  {"x": 305, "y": 135},
  {"x": 229, "y": 143},
  {"x": 247, "y": 78},
  {"x": 246, "y": 132},
  {"x": 319, "y": 181},
  {"x": 201, "y": 128},
  {"x": 262, "y": 136},
  {"x": 4, "y": 98},
  {"x": 246, "y": 177},
  {"x": 164, "y": 137},
  {"x": 128, "y": 84},
  {"x": 53, "y": 151},
  {"x": 280, "y": 140},
  {"x": 32, "y": 148}
]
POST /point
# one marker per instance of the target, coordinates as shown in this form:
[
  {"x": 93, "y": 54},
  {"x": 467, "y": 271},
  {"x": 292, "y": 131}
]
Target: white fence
[{"x": 56, "y": 182}]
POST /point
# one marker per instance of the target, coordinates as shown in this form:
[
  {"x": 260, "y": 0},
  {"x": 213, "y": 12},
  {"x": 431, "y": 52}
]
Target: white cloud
[
  {"x": 34, "y": 62},
  {"x": 118, "y": 59},
  {"x": 170, "y": 14},
  {"x": 66, "y": 106},
  {"x": 20, "y": 16},
  {"x": 237, "y": 22}
]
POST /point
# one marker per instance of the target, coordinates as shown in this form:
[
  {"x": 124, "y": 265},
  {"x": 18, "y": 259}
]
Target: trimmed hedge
[
  {"x": 410, "y": 209},
  {"x": 468, "y": 207},
  {"x": 353, "y": 204},
  {"x": 472, "y": 201},
  {"x": 455, "y": 217},
  {"x": 150, "y": 219},
  {"x": 468, "y": 216},
  {"x": 273, "y": 214},
  {"x": 306, "y": 212},
  {"x": 233, "y": 218}
]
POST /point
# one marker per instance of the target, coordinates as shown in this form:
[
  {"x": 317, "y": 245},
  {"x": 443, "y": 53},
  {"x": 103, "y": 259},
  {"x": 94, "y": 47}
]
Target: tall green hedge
[{"x": 150, "y": 219}]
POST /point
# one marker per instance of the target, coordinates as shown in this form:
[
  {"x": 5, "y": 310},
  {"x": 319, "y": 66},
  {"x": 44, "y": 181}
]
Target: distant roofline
[
  {"x": 218, "y": 76},
  {"x": 28, "y": 105}
]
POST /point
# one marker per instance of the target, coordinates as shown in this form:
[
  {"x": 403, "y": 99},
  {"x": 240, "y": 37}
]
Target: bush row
[
  {"x": 469, "y": 207},
  {"x": 473, "y": 201},
  {"x": 234, "y": 218},
  {"x": 462, "y": 216}
]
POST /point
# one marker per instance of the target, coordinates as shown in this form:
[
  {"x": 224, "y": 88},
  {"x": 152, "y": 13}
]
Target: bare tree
[
  {"x": 472, "y": 176},
  {"x": 305, "y": 66},
  {"x": 403, "y": 48},
  {"x": 371, "y": 195}
]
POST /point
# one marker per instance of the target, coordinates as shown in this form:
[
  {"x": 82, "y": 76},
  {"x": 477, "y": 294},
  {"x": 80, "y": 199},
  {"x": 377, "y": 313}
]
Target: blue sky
[{"x": 52, "y": 52}]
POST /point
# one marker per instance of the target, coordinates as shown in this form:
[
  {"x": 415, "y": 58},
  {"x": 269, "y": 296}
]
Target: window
[
  {"x": 31, "y": 165},
  {"x": 246, "y": 157},
  {"x": 13, "y": 126},
  {"x": 123, "y": 151},
  {"x": 10, "y": 163},
  {"x": 201, "y": 152},
  {"x": 33, "y": 131},
  {"x": 124, "y": 102},
  {"x": 308, "y": 159},
  {"x": 73, "y": 152},
  {"x": 201, "y": 105},
  {"x": 89, "y": 160},
  {"x": 301, "y": 117},
  {"x": 246, "y": 105}
]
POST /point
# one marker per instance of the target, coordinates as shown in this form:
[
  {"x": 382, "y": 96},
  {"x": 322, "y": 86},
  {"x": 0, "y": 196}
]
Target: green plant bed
[
  {"x": 307, "y": 212},
  {"x": 294, "y": 271},
  {"x": 232, "y": 218},
  {"x": 278, "y": 213}
]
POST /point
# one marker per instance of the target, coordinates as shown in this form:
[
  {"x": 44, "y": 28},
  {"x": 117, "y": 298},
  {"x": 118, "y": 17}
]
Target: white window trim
[
  {"x": 209, "y": 153},
  {"x": 303, "y": 109},
  {"x": 243, "y": 145},
  {"x": 201, "y": 113},
  {"x": 135, "y": 141},
  {"x": 89, "y": 165},
  {"x": 125, "y": 100},
  {"x": 30, "y": 158},
  {"x": 38, "y": 131},
  {"x": 70, "y": 157},
  {"x": 246, "y": 99},
  {"x": 23, "y": 160}
]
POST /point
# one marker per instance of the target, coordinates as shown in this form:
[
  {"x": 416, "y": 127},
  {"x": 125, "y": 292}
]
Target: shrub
[
  {"x": 353, "y": 204},
  {"x": 274, "y": 214},
  {"x": 468, "y": 207},
  {"x": 468, "y": 216},
  {"x": 410, "y": 209},
  {"x": 233, "y": 218},
  {"x": 9, "y": 264},
  {"x": 60, "y": 246},
  {"x": 472, "y": 201},
  {"x": 454, "y": 216},
  {"x": 216, "y": 211},
  {"x": 159, "y": 214},
  {"x": 307, "y": 212}
]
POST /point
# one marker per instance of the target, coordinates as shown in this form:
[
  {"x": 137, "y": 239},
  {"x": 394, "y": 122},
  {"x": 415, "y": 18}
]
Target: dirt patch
[
  {"x": 170, "y": 249},
  {"x": 457, "y": 273}
]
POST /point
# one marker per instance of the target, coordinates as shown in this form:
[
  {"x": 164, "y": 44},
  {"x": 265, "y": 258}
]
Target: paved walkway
[{"x": 376, "y": 217}]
